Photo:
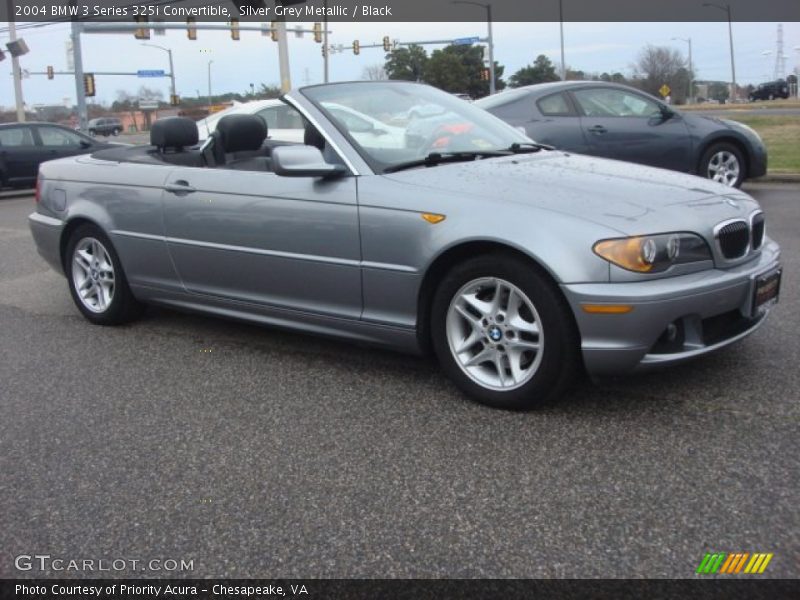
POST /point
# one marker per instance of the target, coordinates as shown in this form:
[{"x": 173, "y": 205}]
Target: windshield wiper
[
  {"x": 437, "y": 158},
  {"x": 520, "y": 147}
]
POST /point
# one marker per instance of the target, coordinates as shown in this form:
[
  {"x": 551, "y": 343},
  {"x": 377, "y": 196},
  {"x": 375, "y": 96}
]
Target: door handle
[
  {"x": 179, "y": 187},
  {"x": 598, "y": 129}
]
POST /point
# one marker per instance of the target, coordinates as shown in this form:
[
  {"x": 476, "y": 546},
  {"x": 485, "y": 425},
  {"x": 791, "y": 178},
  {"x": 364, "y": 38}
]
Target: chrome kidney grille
[{"x": 737, "y": 237}]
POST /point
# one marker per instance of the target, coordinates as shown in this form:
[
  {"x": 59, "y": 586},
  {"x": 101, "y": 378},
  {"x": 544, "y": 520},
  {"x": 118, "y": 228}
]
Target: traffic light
[
  {"x": 485, "y": 74},
  {"x": 50, "y": 73},
  {"x": 235, "y": 29},
  {"x": 143, "y": 33},
  {"x": 88, "y": 84},
  {"x": 174, "y": 99},
  {"x": 273, "y": 31},
  {"x": 318, "y": 32},
  {"x": 191, "y": 30},
  {"x": 387, "y": 43},
  {"x": 356, "y": 47}
]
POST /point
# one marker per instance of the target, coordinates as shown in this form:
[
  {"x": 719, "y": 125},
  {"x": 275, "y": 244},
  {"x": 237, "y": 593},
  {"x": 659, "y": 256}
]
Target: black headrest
[
  {"x": 239, "y": 133},
  {"x": 173, "y": 132},
  {"x": 312, "y": 137}
]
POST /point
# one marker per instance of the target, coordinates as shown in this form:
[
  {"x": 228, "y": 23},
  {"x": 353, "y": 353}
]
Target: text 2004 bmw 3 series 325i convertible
[{"x": 446, "y": 230}]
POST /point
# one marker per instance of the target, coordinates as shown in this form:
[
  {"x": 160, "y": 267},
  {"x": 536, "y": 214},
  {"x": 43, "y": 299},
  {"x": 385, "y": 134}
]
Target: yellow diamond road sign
[{"x": 664, "y": 90}]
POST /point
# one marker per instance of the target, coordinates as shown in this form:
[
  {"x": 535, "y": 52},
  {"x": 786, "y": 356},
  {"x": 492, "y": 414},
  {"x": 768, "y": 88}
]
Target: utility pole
[
  {"x": 17, "y": 72},
  {"x": 691, "y": 72},
  {"x": 727, "y": 8}
]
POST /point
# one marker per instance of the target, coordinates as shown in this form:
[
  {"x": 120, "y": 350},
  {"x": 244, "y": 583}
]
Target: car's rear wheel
[
  {"x": 724, "y": 163},
  {"x": 116, "y": 131},
  {"x": 96, "y": 279},
  {"x": 503, "y": 333}
]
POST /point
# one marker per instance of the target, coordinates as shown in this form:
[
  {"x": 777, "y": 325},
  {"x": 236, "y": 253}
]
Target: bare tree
[
  {"x": 146, "y": 93},
  {"x": 659, "y": 65},
  {"x": 374, "y": 72}
]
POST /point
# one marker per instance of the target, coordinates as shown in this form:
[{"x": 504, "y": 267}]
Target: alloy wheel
[
  {"x": 724, "y": 168},
  {"x": 494, "y": 333},
  {"x": 93, "y": 275}
]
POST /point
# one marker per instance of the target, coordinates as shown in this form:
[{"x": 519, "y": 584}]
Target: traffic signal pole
[{"x": 80, "y": 92}]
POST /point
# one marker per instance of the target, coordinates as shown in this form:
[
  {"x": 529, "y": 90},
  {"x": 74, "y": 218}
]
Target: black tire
[
  {"x": 123, "y": 307},
  {"x": 771, "y": 97},
  {"x": 560, "y": 360},
  {"x": 116, "y": 131},
  {"x": 723, "y": 147},
  {"x": 92, "y": 132}
]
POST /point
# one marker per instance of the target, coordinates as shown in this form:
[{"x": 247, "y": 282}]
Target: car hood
[{"x": 629, "y": 198}]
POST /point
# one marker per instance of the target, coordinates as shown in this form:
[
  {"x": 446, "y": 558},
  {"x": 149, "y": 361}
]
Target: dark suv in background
[
  {"x": 105, "y": 126},
  {"x": 770, "y": 90}
]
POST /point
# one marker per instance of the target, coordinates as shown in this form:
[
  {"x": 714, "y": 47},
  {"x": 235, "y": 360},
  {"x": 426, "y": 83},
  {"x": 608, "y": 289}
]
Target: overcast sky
[{"x": 254, "y": 59}]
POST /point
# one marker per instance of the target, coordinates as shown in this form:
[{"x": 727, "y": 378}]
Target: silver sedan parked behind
[{"x": 517, "y": 265}]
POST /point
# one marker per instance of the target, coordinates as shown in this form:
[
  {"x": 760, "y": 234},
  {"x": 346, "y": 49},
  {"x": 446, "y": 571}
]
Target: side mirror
[
  {"x": 86, "y": 144},
  {"x": 302, "y": 161},
  {"x": 666, "y": 112}
]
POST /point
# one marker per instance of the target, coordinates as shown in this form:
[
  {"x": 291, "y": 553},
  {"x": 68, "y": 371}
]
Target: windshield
[{"x": 393, "y": 123}]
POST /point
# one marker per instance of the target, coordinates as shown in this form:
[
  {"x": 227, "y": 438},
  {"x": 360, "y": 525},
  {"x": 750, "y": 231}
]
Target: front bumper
[{"x": 708, "y": 310}]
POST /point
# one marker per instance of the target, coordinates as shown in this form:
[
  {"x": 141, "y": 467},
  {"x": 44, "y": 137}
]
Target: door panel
[
  {"x": 627, "y": 126},
  {"x": 555, "y": 122},
  {"x": 19, "y": 155},
  {"x": 291, "y": 242},
  {"x": 58, "y": 143}
]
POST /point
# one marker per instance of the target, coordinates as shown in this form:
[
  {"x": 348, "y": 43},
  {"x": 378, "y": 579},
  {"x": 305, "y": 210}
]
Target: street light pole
[
  {"x": 326, "y": 50},
  {"x": 490, "y": 39},
  {"x": 691, "y": 72},
  {"x": 171, "y": 68},
  {"x": 209, "y": 82},
  {"x": 727, "y": 8},
  {"x": 561, "y": 26}
]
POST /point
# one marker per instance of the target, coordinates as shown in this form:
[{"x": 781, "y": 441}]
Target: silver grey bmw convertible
[{"x": 411, "y": 219}]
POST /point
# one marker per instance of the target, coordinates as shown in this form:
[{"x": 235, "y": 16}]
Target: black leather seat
[
  {"x": 237, "y": 143},
  {"x": 173, "y": 138}
]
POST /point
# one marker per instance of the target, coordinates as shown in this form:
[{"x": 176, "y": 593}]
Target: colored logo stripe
[
  {"x": 723, "y": 563},
  {"x": 758, "y": 563}
]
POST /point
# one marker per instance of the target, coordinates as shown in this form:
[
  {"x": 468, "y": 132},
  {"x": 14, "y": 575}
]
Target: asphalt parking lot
[{"x": 258, "y": 453}]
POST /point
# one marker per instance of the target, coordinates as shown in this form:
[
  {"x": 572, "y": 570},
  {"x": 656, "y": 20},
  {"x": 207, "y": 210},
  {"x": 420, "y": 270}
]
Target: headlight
[{"x": 653, "y": 253}]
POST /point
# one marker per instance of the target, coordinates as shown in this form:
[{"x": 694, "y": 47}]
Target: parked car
[
  {"x": 105, "y": 126},
  {"x": 517, "y": 265},
  {"x": 24, "y": 146},
  {"x": 770, "y": 90},
  {"x": 616, "y": 121},
  {"x": 285, "y": 124}
]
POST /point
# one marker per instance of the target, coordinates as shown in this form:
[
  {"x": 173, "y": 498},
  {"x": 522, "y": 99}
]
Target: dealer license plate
[{"x": 766, "y": 290}]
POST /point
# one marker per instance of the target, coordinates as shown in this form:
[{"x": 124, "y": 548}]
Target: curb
[
  {"x": 13, "y": 194},
  {"x": 777, "y": 178}
]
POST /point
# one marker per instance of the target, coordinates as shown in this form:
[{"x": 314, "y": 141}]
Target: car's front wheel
[
  {"x": 96, "y": 279},
  {"x": 503, "y": 333},
  {"x": 723, "y": 163},
  {"x": 116, "y": 131}
]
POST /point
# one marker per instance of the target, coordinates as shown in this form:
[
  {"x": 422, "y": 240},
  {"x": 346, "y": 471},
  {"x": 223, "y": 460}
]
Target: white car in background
[{"x": 285, "y": 124}]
